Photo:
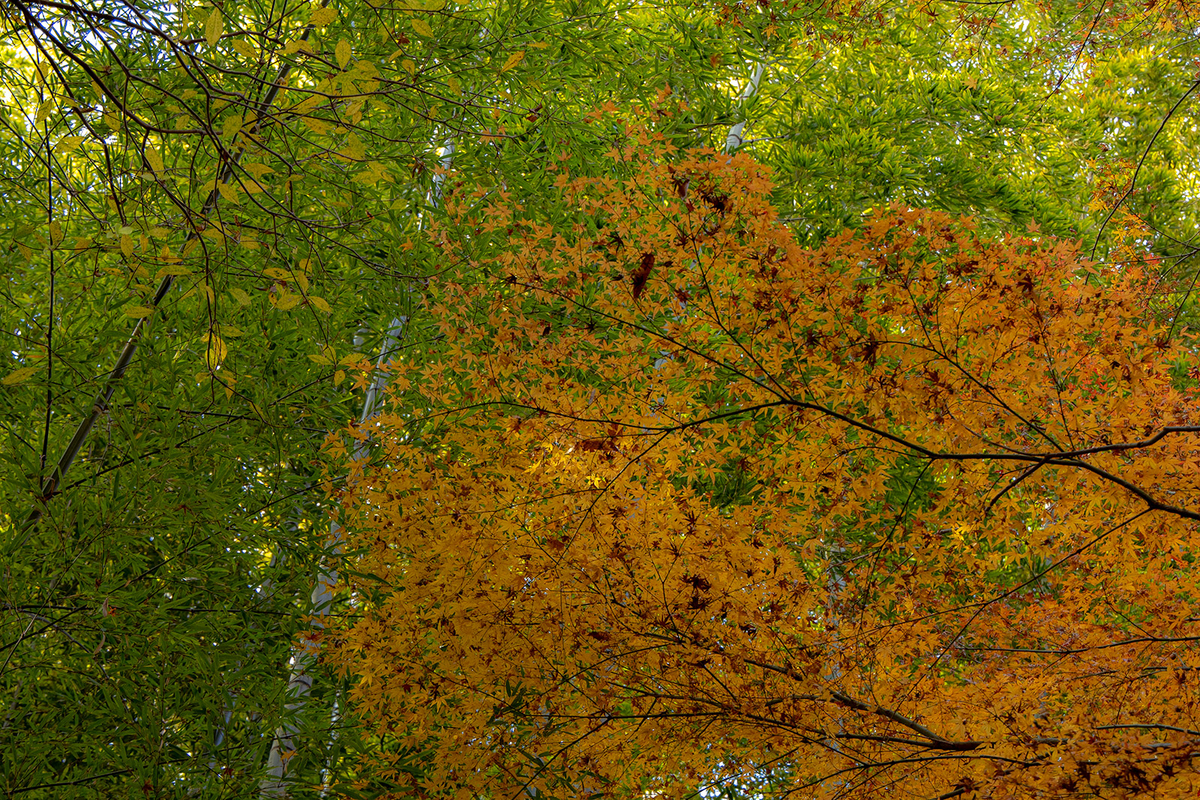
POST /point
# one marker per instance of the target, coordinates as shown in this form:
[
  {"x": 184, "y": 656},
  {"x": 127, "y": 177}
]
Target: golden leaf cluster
[{"x": 683, "y": 505}]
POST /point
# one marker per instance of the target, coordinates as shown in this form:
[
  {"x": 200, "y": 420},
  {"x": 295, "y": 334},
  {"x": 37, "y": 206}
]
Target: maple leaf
[{"x": 913, "y": 492}]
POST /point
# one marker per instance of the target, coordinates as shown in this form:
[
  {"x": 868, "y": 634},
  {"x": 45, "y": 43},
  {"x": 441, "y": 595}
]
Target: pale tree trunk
[
  {"x": 304, "y": 656},
  {"x": 734, "y": 140}
]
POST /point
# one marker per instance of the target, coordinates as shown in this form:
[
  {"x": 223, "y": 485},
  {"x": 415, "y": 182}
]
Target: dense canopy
[{"x": 598, "y": 398}]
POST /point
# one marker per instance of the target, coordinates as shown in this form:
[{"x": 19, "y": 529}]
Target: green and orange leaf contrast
[{"x": 683, "y": 506}]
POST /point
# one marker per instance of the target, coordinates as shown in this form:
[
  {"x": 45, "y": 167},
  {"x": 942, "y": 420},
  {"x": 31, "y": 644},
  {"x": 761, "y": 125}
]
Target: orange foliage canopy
[{"x": 683, "y": 505}]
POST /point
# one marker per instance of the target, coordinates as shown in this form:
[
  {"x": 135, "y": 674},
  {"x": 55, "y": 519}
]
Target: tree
[
  {"x": 209, "y": 212},
  {"x": 212, "y": 213},
  {"x": 684, "y": 503}
]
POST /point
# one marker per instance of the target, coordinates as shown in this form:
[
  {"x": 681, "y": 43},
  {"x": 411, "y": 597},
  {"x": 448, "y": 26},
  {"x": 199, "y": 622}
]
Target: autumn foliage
[{"x": 685, "y": 506}]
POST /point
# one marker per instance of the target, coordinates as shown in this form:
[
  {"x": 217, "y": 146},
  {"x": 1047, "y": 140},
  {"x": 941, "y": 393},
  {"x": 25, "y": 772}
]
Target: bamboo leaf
[
  {"x": 513, "y": 60},
  {"x": 19, "y": 376}
]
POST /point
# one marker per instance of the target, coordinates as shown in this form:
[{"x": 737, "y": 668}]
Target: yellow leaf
[
  {"x": 229, "y": 192},
  {"x": 354, "y": 149},
  {"x": 155, "y": 160},
  {"x": 216, "y": 351},
  {"x": 307, "y": 104},
  {"x": 286, "y": 302},
  {"x": 322, "y": 360},
  {"x": 43, "y": 112},
  {"x": 321, "y": 17},
  {"x": 19, "y": 376},
  {"x": 435, "y": 5},
  {"x": 421, "y": 27},
  {"x": 231, "y": 126},
  {"x": 351, "y": 359},
  {"x": 339, "y": 376},
  {"x": 216, "y": 234},
  {"x": 67, "y": 144},
  {"x": 83, "y": 244},
  {"x": 244, "y": 48},
  {"x": 56, "y": 233},
  {"x": 214, "y": 27},
  {"x": 277, "y": 273},
  {"x": 258, "y": 170},
  {"x": 320, "y": 304},
  {"x": 317, "y": 126},
  {"x": 455, "y": 86},
  {"x": 342, "y": 51},
  {"x": 409, "y": 67},
  {"x": 127, "y": 245},
  {"x": 241, "y": 296},
  {"x": 174, "y": 269},
  {"x": 513, "y": 60},
  {"x": 139, "y": 312}
]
